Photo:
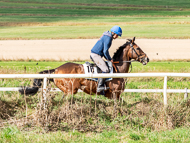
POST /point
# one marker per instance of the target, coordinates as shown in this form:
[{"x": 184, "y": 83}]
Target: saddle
[{"x": 94, "y": 69}]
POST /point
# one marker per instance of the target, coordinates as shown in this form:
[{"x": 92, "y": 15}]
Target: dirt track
[{"x": 79, "y": 49}]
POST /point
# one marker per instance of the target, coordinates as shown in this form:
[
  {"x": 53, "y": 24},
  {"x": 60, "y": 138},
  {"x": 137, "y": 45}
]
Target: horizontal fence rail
[
  {"x": 126, "y": 90},
  {"x": 114, "y": 75},
  {"x": 105, "y": 75}
]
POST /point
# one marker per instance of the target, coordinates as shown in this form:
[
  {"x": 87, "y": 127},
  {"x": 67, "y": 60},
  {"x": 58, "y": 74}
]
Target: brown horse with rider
[{"x": 122, "y": 57}]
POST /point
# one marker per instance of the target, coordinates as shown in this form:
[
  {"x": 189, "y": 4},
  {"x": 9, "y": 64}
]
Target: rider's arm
[{"x": 107, "y": 45}]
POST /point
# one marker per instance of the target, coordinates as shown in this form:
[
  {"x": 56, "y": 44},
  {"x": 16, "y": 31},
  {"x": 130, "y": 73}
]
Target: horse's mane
[{"x": 119, "y": 50}]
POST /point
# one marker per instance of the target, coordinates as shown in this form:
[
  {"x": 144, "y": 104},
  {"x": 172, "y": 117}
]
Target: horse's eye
[{"x": 138, "y": 48}]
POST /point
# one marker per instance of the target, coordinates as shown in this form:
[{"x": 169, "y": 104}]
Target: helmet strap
[{"x": 112, "y": 34}]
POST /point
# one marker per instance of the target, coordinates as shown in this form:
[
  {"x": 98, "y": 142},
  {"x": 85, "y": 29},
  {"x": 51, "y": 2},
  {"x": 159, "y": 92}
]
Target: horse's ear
[
  {"x": 133, "y": 40},
  {"x": 129, "y": 40}
]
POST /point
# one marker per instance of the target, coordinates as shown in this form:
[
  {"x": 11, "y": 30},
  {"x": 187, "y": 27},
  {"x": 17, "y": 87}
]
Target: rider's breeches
[{"x": 97, "y": 59}]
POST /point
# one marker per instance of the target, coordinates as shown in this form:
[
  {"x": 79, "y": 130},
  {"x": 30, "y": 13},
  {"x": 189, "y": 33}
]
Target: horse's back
[{"x": 70, "y": 68}]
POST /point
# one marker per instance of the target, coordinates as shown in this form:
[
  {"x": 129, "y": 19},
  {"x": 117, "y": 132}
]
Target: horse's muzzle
[{"x": 144, "y": 60}]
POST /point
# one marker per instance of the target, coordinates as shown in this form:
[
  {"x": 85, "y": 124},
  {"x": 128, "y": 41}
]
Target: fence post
[
  {"x": 165, "y": 90},
  {"x": 186, "y": 94},
  {"x": 44, "y": 91}
]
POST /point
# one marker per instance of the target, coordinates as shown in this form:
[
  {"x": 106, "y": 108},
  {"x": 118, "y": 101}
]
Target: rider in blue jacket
[{"x": 101, "y": 49}]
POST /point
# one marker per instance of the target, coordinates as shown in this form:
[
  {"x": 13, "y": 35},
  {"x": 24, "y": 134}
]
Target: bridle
[
  {"x": 130, "y": 61},
  {"x": 138, "y": 56},
  {"x": 133, "y": 49}
]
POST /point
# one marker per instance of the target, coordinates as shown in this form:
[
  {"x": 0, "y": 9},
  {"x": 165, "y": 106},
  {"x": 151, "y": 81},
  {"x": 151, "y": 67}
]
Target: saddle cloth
[{"x": 92, "y": 68}]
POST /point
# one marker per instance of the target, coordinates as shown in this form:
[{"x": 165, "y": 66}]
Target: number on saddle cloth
[
  {"x": 91, "y": 68},
  {"x": 94, "y": 69}
]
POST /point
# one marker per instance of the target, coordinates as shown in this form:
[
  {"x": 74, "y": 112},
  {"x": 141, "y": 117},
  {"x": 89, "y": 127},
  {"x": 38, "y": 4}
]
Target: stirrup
[{"x": 100, "y": 89}]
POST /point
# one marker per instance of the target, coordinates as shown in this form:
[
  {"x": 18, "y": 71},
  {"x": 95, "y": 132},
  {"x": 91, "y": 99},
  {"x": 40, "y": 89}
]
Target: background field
[{"x": 85, "y": 19}]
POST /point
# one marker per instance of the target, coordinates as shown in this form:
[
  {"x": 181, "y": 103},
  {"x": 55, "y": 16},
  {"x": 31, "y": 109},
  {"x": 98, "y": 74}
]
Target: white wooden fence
[{"x": 115, "y": 75}]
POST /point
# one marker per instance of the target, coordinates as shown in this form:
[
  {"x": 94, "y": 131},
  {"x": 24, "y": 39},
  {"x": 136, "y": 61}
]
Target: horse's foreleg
[
  {"x": 113, "y": 94},
  {"x": 116, "y": 86},
  {"x": 60, "y": 85},
  {"x": 68, "y": 86}
]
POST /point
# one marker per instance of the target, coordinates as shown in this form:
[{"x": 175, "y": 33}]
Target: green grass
[
  {"x": 93, "y": 12},
  {"x": 86, "y": 6},
  {"x": 79, "y": 20},
  {"x": 176, "y": 3},
  {"x": 65, "y": 19},
  {"x": 12, "y": 134},
  {"x": 94, "y": 31},
  {"x": 48, "y": 9},
  {"x": 37, "y": 66},
  {"x": 31, "y": 67}
]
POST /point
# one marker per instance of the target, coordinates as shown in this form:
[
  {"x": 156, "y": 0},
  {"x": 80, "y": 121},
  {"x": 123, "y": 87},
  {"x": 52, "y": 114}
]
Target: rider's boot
[{"x": 101, "y": 87}]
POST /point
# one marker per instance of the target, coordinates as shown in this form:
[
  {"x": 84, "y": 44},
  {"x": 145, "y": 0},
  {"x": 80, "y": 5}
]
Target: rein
[{"x": 117, "y": 62}]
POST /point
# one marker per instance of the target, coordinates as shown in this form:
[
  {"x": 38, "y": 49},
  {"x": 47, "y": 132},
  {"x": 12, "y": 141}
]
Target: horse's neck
[{"x": 123, "y": 66}]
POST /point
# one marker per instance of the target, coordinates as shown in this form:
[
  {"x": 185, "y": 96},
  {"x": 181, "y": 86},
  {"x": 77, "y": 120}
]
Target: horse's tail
[{"x": 36, "y": 84}]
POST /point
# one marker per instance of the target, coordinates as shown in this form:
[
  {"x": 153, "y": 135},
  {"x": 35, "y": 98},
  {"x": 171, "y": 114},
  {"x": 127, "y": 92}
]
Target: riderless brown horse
[{"x": 122, "y": 58}]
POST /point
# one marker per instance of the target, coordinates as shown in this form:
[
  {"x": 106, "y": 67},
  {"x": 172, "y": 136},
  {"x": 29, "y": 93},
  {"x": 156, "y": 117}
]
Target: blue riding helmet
[{"x": 117, "y": 30}]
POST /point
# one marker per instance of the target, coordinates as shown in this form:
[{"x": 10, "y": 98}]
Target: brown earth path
[{"x": 79, "y": 49}]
